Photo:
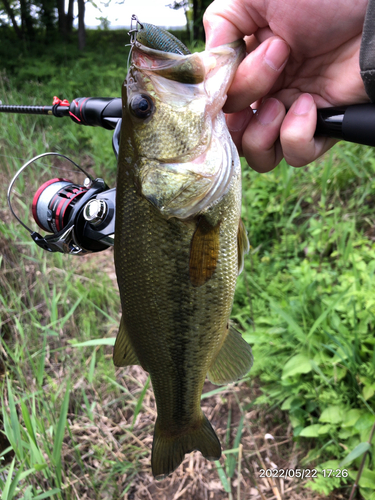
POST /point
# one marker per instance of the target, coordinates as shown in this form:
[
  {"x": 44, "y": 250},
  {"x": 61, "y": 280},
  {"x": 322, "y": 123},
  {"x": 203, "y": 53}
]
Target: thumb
[{"x": 225, "y": 22}]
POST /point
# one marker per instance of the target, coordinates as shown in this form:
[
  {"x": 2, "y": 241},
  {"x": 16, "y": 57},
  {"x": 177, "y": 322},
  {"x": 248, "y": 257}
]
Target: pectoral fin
[
  {"x": 233, "y": 361},
  {"x": 243, "y": 245},
  {"x": 123, "y": 352},
  {"x": 204, "y": 252}
]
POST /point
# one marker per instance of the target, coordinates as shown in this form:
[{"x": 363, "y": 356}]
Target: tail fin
[{"x": 168, "y": 451}]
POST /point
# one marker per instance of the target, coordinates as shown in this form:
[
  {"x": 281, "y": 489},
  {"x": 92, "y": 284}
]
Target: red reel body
[{"x": 53, "y": 202}]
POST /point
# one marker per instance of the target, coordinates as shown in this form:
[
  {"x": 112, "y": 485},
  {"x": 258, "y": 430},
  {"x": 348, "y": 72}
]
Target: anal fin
[
  {"x": 233, "y": 361},
  {"x": 123, "y": 352},
  {"x": 168, "y": 450}
]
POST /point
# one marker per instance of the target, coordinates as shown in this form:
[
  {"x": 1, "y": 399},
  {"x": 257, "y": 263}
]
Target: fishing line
[{"x": 51, "y": 167}]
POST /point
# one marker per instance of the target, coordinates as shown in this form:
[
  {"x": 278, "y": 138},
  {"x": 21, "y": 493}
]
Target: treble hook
[{"x": 134, "y": 30}]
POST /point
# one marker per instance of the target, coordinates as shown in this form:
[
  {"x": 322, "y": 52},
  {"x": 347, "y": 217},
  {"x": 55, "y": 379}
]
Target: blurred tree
[
  {"x": 199, "y": 8},
  {"x": 184, "y": 4},
  {"x": 194, "y": 10},
  {"x": 48, "y": 17},
  {"x": 8, "y": 9},
  {"x": 65, "y": 20},
  {"x": 27, "y": 22},
  {"x": 81, "y": 25},
  {"x": 26, "y": 17}
]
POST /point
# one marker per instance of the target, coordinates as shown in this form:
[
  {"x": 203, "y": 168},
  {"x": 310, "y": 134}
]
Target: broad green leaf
[
  {"x": 297, "y": 364},
  {"x": 359, "y": 450},
  {"x": 330, "y": 464},
  {"x": 332, "y": 415},
  {"x": 367, "y": 479},
  {"x": 364, "y": 422},
  {"x": 311, "y": 430},
  {"x": 325, "y": 429},
  {"x": 345, "y": 433},
  {"x": 368, "y": 391},
  {"x": 287, "y": 403},
  {"x": 351, "y": 417}
]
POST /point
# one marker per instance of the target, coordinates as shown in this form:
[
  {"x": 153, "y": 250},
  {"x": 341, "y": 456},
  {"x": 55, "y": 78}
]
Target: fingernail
[
  {"x": 268, "y": 111},
  {"x": 277, "y": 54},
  {"x": 303, "y": 104}
]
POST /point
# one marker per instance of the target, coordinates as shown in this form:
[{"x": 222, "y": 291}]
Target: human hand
[{"x": 301, "y": 54}]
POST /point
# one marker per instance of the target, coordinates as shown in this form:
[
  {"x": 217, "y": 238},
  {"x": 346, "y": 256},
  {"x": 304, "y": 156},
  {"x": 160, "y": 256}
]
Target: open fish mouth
[{"x": 191, "y": 166}]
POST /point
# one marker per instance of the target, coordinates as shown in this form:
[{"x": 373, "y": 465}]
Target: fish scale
[{"x": 177, "y": 274}]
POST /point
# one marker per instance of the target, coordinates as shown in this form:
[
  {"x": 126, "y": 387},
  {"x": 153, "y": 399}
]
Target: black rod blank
[{"x": 35, "y": 110}]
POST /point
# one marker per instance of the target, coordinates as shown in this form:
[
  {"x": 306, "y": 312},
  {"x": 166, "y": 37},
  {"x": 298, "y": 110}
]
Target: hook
[{"x": 134, "y": 30}]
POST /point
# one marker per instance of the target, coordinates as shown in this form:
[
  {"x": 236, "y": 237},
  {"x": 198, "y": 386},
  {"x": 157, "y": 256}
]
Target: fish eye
[{"x": 141, "y": 106}]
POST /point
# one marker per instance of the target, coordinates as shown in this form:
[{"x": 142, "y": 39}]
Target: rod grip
[{"x": 355, "y": 123}]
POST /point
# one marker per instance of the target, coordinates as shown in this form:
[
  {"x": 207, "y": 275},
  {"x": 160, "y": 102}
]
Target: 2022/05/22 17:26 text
[{"x": 303, "y": 473}]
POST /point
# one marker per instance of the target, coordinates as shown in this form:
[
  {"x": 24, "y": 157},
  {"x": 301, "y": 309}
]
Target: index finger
[{"x": 225, "y": 22}]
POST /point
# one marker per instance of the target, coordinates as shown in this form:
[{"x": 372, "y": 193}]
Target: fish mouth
[
  {"x": 197, "y": 81},
  {"x": 187, "y": 69},
  {"x": 190, "y": 68},
  {"x": 186, "y": 158}
]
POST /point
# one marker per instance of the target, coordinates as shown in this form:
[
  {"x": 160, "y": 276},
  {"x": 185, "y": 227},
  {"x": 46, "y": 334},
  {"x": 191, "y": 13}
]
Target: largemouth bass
[{"x": 179, "y": 242}]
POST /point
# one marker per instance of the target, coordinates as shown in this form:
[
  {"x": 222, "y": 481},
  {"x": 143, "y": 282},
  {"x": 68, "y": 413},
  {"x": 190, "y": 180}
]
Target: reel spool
[{"x": 53, "y": 203}]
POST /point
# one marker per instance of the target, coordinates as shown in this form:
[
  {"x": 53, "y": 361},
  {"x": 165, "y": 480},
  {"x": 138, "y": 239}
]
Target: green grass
[{"x": 305, "y": 301}]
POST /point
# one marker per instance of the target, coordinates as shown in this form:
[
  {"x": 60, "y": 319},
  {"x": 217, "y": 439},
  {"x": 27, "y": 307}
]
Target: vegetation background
[{"x": 73, "y": 427}]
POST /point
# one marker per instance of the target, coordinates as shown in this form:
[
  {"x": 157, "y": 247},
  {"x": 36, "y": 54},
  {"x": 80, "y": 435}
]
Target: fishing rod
[
  {"x": 81, "y": 218},
  {"x": 353, "y": 123},
  {"x": 92, "y": 111}
]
